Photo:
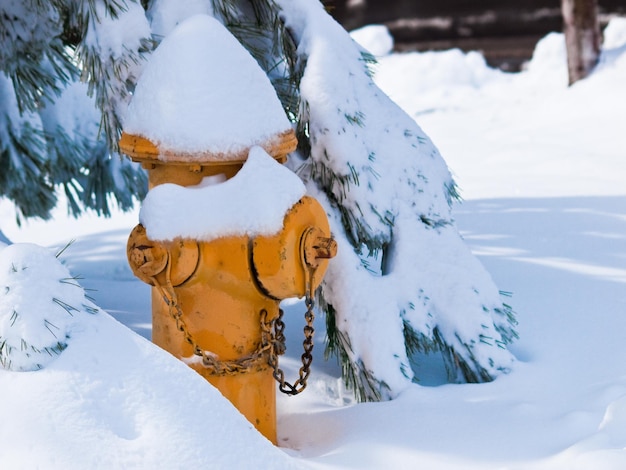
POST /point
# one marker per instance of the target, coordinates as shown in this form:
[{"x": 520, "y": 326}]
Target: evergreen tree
[
  {"x": 49, "y": 127},
  {"x": 403, "y": 284}
]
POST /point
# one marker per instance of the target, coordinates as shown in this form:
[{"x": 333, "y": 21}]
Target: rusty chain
[
  {"x": 279, "y": 338},
  {"x": 210, "y": 361},
  {"x": 272, "y": 341}
]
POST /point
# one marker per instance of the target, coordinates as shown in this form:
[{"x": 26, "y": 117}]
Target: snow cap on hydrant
[
  {"x": 203, "y": 98},
  {"x": 226, "y": 231}
]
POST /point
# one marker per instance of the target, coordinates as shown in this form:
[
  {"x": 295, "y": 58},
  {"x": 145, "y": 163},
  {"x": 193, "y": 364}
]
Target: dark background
[{"x": 506, "y": 31}]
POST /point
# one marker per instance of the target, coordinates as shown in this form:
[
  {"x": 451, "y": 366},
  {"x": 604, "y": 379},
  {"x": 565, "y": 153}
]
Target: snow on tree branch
[{"x": 403, "y": 282}]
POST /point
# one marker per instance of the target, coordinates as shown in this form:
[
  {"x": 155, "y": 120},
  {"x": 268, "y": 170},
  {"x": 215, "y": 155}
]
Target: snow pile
[
  {"x": 375, "y": 38},
  {"x": 34, "y": 329},
  {"x": 549, "y": 61},
  {"x": 111, "y": 399},
  {"x": 202, "y": 91},
  {"x": 424, "y": 82},
  {"x": 615, "y": 34},
  {"x": 613, "y": 57},
  {"x": 253, "y": 202},
  {"x": 468, "y": 117}
]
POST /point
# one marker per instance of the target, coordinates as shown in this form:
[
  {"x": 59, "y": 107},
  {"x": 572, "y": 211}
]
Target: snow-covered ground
[{"x": 542, "y": 169}]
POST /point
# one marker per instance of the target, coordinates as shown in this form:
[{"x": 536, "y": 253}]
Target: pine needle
[
  {"x": 67, "y": 307},
  {"x": 49, "y": 324},
  {"x": 90, "y": 309},
  {"x": 67, "y": 245}
]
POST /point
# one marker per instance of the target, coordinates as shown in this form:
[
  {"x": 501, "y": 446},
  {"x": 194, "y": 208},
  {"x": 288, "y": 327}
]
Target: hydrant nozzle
[
  {"x": 149, "y": 259},
  {"x": 316, "y": 246}
]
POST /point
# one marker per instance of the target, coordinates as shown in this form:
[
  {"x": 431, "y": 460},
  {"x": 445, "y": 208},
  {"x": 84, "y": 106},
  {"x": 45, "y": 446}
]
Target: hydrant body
[
  {"x": 222, "y": 313},
  {"x": 222, "y": 296},
  {"x": 199, "y": 112}
]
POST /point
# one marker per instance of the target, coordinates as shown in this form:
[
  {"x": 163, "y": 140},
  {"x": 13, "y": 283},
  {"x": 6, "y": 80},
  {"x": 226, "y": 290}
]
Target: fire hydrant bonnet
[{"x": 203, "y": 98}]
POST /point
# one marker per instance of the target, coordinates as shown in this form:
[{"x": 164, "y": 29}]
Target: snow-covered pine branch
[
  {"x": 41, "y": 303},
  {"x": 115, "y": 34},
  {"x": 404, "y": 282},
  {"x": 50, "y": 135}
]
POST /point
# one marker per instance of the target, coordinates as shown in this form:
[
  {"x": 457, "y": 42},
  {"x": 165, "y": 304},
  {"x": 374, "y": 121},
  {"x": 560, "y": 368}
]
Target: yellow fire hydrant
[
  {"x": 201, "y": 104},
  {"x": 216, "y": 304}
]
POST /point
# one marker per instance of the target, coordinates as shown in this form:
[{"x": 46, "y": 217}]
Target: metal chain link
[
  {"x": 278, "y": 345},
  {"x": 307, "y": 358},
  {"x": 272, "y": 341},
  {"x": 254, "y": 361}
]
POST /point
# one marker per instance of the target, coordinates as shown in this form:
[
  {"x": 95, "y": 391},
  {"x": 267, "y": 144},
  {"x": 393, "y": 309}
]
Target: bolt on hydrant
[{"x": 215, "y": 303}]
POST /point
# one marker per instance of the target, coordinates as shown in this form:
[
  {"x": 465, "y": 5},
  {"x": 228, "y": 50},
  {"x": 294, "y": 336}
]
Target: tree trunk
[{"x": 582, "y": 37}]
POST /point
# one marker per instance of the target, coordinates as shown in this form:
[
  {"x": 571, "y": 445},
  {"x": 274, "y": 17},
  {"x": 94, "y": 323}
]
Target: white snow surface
[
  {"x": 165, "y": 15},
  {"x": 201, "y": 91},
  {"x": 253, "y": 202},
  {"x": 375, "y": 38},
  {"x": 542, "y": 170},
  {"x": 105, "y": 392}
]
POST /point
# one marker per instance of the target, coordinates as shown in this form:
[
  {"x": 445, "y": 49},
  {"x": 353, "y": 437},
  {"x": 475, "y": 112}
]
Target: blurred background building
[{"x": 506, "y": 31}]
